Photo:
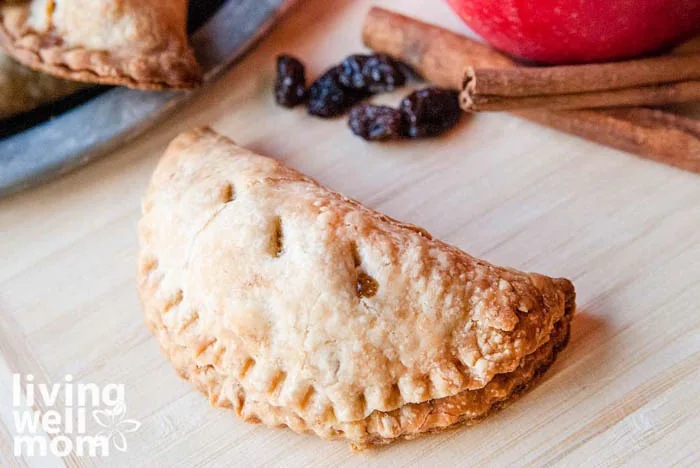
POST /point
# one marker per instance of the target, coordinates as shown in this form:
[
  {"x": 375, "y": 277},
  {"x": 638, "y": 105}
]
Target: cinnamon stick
[
  {"x": 653, "y": 81},
  {"x": 651, "y": 133},
  {"x": 442, "y": 56}
]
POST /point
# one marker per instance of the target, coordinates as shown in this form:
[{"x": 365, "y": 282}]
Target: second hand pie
[
  {"x": 299, "y": 307},
  {"x": 136, "y": 43}
]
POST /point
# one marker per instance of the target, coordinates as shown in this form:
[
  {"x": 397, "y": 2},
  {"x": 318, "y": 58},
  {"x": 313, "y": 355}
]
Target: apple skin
[{"x": 575, "y": 31}]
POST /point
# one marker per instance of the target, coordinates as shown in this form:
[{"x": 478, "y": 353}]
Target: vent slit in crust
[
  {"x": 365, "y": 285},
  {"x": 277, "y": 238},
  {"x": 355, "y": 254},
  {"x": 227, "y": 193}
]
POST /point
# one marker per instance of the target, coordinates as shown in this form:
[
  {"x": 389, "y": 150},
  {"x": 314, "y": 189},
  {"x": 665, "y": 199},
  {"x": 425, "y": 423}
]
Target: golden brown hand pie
[
  {"x": 136, "y": 43},
  {"x": 22, "y": 89},
  {"x": 297, "y": 306}
]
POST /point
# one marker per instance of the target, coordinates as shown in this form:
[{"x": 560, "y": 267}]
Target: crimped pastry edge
[{"x": 379, "y": 428}]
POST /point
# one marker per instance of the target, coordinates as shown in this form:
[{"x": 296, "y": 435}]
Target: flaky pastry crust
[
  {"x": 136, "y": 43},
  {"x": 300, "y": 307}
]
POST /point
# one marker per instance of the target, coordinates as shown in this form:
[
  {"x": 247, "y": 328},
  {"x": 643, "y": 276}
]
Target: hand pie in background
[{"x": 137, "y": 43}]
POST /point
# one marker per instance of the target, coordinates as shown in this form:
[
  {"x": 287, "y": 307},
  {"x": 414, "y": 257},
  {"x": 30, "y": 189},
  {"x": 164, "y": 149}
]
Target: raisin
[
  {"x": 329, "y": 98},
  {"x": 350, "y": 74},
  {"x": 375, "y": 123},
  {"x": 383, "y": 74},
  {"x": 430, "y": 112},
  {"x": 290, "y": 84},
  {"x": 373, "y": 73}
]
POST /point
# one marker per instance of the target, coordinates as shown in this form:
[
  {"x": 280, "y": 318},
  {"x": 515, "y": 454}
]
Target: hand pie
[
  {"x": 298, "y": 307},
  {"x": 136, "y": 43},
  {"x": 23, "y": 89}
]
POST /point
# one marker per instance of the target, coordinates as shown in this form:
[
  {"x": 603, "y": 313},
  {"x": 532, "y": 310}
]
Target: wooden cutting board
[{"x": 625, "y": 230}]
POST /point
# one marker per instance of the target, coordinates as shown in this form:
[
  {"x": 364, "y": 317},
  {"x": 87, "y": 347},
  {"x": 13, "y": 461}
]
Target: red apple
[{"x": 571, "y": 31}]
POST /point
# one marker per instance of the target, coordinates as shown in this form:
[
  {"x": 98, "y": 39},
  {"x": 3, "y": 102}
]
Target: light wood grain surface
[{"x": 625, "y": 230}]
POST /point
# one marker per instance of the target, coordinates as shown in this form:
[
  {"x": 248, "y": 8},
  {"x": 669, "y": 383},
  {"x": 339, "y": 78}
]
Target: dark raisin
[
  {"x": 329, "y": 98},
  {"x": 383, "y": 74},
  {"x": 350, "y": 74},
  {"x": 375, "y": 123},
  {"x": 430, "y": 112},
  {"x": 374, "y": 73},
  {"x": 290, "y": 84}
]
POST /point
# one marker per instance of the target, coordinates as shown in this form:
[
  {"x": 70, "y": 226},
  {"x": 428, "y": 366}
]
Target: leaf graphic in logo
[
  {"x": 103, "y": 417},
  {"x": 118, "y": 411},
  {"x": 112, "y": 419},
  {"x": 129, "y": 425},
  {"x": 119, "y": 441}
]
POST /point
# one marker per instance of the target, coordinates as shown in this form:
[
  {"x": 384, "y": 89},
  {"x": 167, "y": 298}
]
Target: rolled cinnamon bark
[
  {"x": 442, "y": 56},
  {"x": 654, "y": 81},
  {"x": 651, "y": 133}
]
